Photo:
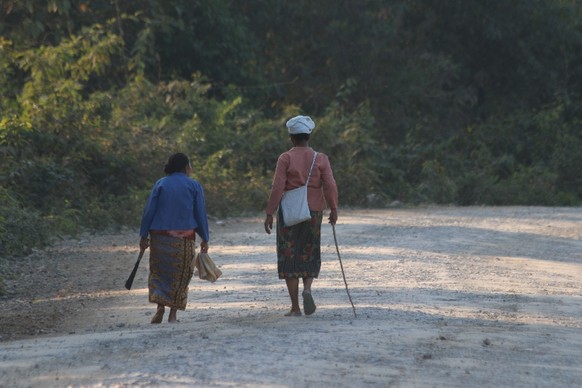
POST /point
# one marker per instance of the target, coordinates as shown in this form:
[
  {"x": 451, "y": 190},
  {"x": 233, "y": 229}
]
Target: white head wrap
[{"x": 300, "y": 124}]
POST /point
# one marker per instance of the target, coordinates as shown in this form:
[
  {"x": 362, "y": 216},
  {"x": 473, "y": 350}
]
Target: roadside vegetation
[{"x": 449, "y": 102}]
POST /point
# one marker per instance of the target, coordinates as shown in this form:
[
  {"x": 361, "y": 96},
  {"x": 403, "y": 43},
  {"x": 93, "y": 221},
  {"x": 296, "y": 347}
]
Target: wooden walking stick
[
  {"x": 129, "y": 281},
  {"x": 342, "y": 267}
]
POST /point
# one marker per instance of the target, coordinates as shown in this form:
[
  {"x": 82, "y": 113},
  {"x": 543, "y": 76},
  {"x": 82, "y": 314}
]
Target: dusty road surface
[{"x": 444, "y": 296}]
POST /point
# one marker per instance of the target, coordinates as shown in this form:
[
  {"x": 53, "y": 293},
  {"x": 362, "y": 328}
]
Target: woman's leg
[
  {"x": 172, "y": 317},
  {"x": 308, "y": 303},
  {"x": 293, "y": 288}
]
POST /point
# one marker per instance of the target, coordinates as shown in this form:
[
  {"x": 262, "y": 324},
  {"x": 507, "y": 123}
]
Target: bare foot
[
  {"x": 308, "y": 303},
  {"x": 172, "y": 317},
  {"x": 293, "y": 314},
  {"x": 159, "y": 315}
]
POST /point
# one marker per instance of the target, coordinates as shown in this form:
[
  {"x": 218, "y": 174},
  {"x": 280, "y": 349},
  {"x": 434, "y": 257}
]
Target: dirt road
[{"x": 445, "y": 297}]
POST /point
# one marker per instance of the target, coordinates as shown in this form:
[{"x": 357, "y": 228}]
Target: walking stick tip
[{"x": 342, "y": 268}]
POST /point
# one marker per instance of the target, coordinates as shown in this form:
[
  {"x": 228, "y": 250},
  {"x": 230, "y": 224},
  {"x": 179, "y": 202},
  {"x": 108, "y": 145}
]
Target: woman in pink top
[{"x": 299, "y": 246}]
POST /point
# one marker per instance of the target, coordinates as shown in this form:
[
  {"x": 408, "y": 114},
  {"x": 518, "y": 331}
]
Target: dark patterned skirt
[
  {"x": 299, "y": 248},
  {"x": 171, "y": 269}
]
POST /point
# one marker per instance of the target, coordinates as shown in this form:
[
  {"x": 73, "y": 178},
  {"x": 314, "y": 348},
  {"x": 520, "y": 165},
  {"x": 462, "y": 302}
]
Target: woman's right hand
[
  {"x": 268, "y": 223},
  {"x": 333, "y": 217},
  {"x": 204, "y": 247}
]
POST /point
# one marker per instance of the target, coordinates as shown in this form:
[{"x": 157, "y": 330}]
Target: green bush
[
  {"x": 436, "y": 186},
  {"x": 535, "y": 185},
  {"x": 21, "y": 229}
]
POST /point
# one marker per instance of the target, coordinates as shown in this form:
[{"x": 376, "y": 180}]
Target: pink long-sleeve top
[{"x": 291, "y": 172}]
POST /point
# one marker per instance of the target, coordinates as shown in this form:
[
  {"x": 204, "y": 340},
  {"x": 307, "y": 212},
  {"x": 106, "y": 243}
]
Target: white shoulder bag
[{"x": 294, "y": 205}]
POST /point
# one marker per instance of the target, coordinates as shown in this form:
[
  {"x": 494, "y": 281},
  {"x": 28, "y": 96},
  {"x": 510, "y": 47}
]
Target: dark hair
[
  {"x": 176, "y": 163},
  {"x": 300, "y": 137}
]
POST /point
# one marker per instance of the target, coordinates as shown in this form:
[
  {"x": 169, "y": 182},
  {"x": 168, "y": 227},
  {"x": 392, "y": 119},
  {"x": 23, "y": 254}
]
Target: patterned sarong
[
  {"x": 171, "y": 269},
  {"x": 299, "y": 248}
]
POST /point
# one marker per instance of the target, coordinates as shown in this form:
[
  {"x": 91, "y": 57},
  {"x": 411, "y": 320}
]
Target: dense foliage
[{"x": 459, "y": 101}]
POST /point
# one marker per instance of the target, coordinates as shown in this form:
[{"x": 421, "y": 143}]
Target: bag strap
[{"x": 311, "y": 168}]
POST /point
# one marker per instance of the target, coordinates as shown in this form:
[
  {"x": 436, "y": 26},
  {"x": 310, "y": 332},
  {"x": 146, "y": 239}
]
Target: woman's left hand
[{"x": 204, "y": 247}]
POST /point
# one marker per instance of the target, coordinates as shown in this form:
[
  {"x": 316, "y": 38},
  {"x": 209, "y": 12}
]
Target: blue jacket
[{"x": 176, "y": 203}]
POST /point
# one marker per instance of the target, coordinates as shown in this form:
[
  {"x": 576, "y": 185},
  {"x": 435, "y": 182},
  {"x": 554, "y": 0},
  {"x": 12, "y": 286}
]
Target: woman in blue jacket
[{"x": 175, "y": 212}]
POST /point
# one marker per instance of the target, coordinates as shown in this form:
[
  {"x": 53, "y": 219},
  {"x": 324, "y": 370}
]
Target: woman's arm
[
  {"x": 200, "y": 215},
  {"x": 329, "y": 186},
  {"x": 149, "y": 211},
  {"x": 278, "y": 186}
]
